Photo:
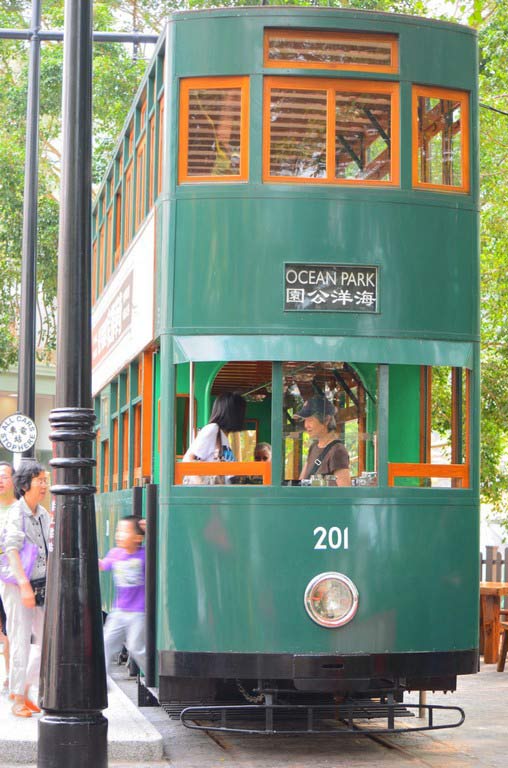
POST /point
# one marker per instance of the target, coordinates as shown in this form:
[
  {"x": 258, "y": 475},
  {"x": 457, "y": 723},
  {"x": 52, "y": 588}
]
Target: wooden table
[{"x": 491, "y": 593}]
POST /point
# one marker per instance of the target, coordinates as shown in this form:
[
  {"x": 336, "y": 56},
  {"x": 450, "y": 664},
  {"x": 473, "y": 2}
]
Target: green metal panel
[
  {"x": 230, "y": 41},
  {"x": 228, "y": 237},
  {"x": 404, "y": 408},
  {"x": 236, "y": 580},
  {"x": 315, "y": 348}
]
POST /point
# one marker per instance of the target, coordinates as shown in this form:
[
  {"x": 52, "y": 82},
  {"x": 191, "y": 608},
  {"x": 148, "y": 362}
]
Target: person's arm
[
  {"x": 203, "y": 444},
  {"x": 343, "y": 476},
  {"x": 106, "y": 563},
  {"x": 303, "y": 473},
  {"x": 27, "y": 593}
]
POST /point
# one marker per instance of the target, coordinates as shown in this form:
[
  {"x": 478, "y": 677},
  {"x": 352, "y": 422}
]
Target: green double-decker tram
[{"x": 291, "y": 214}]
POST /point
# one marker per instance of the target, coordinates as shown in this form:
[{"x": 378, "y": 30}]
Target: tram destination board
[{"x": 330, "y": 288}]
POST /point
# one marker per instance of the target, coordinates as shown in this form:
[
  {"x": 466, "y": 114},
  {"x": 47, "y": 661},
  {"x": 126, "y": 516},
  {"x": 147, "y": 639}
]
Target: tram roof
[{"x": 316, "y": 348}]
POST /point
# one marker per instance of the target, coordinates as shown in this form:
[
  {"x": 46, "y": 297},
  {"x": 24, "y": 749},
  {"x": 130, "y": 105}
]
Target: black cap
[{"x": 318, "y": 406}]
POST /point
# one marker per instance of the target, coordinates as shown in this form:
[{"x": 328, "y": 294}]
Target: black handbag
[
  {"x": 39, "y": 585},
  {"x": 39, "y": 588}
]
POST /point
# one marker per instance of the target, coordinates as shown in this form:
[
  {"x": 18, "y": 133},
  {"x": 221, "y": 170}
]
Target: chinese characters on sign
[{"x": 330, "y": 287}]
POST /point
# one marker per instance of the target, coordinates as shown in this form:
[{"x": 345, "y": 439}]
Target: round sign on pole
[{"x": 18, "y": 433}]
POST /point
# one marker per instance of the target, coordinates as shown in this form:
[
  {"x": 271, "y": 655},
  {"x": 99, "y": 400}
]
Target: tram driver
[{"x": 327, "y": 455}]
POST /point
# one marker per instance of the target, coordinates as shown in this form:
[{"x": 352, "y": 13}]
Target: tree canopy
[{"x": 117, "y": 72}]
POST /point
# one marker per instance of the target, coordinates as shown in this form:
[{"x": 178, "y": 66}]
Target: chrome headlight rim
[{"x": 321, "y": 620}]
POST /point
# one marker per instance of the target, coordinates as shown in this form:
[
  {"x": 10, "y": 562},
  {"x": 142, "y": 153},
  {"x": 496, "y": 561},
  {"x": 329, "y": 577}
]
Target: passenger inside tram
[{"x": 328, "y": 458}]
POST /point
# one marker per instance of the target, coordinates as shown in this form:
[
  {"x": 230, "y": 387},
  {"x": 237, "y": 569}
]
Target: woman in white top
[
  {"x": 27, "y": 520},
  {"x": 212, "y": 442}
]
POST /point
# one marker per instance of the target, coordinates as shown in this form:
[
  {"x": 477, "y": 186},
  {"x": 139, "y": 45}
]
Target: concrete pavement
[
  {"x": 132, "y": 738},
  {"x": 482, "y": 741}
]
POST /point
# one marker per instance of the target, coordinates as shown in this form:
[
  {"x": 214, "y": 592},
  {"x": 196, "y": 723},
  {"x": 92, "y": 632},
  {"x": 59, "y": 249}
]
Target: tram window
[
  {"x": 441, "y": 139},
  {"x": 214, "y": 129},
  {"x": 346, "y": 402},
  {"x": 440, "y": 456},
  {"x": 316, "y": 49},
  {"x": 362, "y": 135},
  {"x": 250, "y": 379},
  {"x": 300, "y": 143}
]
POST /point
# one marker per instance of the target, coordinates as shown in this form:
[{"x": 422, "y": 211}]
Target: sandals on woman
[
  {"x": 29, "y": 704},
  {"x": 20, "y": 709}
]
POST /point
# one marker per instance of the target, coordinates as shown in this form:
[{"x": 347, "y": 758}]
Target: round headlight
[{"x": 331, "y": 599}]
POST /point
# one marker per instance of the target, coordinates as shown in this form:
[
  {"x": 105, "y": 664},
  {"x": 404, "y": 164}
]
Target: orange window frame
[
  {"x": 101, "y": 257},
  {"x": 463, "y": 98},
  {"x": 118, "y": 226},
  {"x": 160, "y": 145},
  {"x": 137, "y": 465},
  {"x": 109, "y": 243},
  {"x": 125, "y": 449},
  {"x": 331, "y": 87},
  {"x": 204, "y": 83},
  {"x": 128, "y": 201},
  {"x": 151, "y": 173},
  {"x": 140, "y": 205},
  {"x": 105, "y": 465},
  {"x": 94, "y": 272},
  {"x": 303, "y": 34},
  {"x": 115, "y": 454}
]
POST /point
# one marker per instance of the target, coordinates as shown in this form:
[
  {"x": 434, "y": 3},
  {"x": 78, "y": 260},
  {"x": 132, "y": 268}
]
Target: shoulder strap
[{"x": 319, "y": 460}]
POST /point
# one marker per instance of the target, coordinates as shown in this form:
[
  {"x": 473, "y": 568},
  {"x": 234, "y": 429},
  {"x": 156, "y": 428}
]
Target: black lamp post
[
  {"x": 26, "y": 363},
  {"x": 73, "y": 731}
]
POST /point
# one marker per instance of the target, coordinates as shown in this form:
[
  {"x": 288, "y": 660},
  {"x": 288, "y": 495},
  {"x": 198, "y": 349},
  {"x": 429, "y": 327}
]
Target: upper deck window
[
  {"x": 440, "y": 139},
  {"x": 214, "y": 129},
  {"x": 315, "y": 49},
  {"x": 331, "y": 131}
]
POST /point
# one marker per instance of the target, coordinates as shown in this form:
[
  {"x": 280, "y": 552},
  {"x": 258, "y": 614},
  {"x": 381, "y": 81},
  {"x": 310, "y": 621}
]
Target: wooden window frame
[
  {"x": 302, "y": 34},
  {"x": 451, "y": 95},
  {"x": 151, "y": 172},
  {"x": 128, "y": 205},
  {"x": 208, "y": 83},
  {"x": 331, "y": 87},
  {"x": 160, "y": 142},
  {"x": 109, "y": 242},
  {"x": 140, "y": 197}
]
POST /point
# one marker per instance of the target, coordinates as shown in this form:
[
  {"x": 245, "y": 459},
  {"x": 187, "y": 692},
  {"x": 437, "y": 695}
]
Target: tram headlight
[{"x": 331, "y": 599}]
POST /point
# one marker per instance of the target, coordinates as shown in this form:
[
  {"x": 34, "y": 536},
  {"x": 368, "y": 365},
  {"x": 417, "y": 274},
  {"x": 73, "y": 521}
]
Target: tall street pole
[
  {"x": 73, "y": 730},
  {"x": 26, "y": 362}
]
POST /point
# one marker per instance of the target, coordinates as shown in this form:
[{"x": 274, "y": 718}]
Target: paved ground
[{"x": 480, "y": 743}]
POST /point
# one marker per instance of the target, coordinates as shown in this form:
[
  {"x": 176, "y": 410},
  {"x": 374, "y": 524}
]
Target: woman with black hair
[
  {"x": 212, "y": 442},
  {"x": 27, "y": 520}
]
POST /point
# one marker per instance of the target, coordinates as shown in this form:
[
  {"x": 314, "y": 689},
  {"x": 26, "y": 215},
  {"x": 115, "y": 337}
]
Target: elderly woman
[
  {"x": 27, "y": 519},
  {"x": 327, "y": 455}
]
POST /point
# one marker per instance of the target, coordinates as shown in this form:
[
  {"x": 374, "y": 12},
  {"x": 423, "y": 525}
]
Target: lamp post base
[{"x": 73, "y": 741}]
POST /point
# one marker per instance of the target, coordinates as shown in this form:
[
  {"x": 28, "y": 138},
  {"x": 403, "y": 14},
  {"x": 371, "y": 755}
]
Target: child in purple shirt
[{"x": 125, "y": 624}]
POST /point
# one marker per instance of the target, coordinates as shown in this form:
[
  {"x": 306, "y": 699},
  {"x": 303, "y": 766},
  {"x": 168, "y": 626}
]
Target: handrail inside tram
[{"x": 453, "y": 471}]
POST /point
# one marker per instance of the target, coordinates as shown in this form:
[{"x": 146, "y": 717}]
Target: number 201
[{"x": 333, "y": 538}]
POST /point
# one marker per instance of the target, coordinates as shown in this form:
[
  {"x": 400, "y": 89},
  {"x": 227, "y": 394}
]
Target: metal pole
[
  {"x": 151, "y": 583},
  {"x": 26, "y": 360},
  {"x": 73, "y": 730}
]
